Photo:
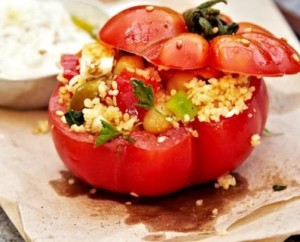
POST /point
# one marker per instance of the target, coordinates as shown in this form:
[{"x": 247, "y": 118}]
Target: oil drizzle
[{"x": 176, "y": 212}]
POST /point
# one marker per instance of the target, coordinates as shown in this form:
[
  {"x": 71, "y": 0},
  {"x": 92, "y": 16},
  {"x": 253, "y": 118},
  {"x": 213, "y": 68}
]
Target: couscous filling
[{"x": 93, "y": 95}]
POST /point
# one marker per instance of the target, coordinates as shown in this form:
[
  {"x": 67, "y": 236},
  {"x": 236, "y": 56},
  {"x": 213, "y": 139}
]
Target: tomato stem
[{"x": 206, "y": 21}]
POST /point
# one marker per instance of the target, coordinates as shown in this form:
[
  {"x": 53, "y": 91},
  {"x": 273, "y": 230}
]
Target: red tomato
[
  {"x": 157, "y": 33},
  {"x": 224, "y": 145},
  {"x": 253, "y": 54},
  {"x": 147, "y": 167},
  {"x": 246, "y": 27},
  {"x": 69, "y": 64},
  {"x": 133, "y": 29},
  {"x": 185, "y": 51},
  {"x": 126, "y": 100},
  {"x": 150, "y": 168}
]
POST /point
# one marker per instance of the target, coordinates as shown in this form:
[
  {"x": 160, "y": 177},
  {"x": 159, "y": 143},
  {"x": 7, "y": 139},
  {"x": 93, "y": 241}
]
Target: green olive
[{"x": 84, "y": 91}]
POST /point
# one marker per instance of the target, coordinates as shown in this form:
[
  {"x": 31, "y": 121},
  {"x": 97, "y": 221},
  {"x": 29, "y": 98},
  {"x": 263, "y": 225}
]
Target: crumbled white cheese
[{"x": 96, "y": 59}]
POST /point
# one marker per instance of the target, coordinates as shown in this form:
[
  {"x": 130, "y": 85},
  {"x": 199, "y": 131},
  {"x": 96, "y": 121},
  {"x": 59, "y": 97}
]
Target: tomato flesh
[
  {"x": 69, "y": 64},
  {"x": 126, "y": 100}
]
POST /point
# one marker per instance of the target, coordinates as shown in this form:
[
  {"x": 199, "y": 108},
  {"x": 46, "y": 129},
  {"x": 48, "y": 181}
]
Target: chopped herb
[
  {"x": 267, "y": 132},
  {"x": 108, "y": 132},
  {"x": 74, "y": 117},
  {"x": 278, "y": 188},
  {"x": 143, "y": 93}
]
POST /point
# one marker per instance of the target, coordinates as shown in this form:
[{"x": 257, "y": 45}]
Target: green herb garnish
[
  {"x": 143, "y": 93},
  {"x": 207, "y": 21},
  {"x": 74, "y": 117},
  {"x": 109, "y": 132},
  {"x": 278, "y": 188}
]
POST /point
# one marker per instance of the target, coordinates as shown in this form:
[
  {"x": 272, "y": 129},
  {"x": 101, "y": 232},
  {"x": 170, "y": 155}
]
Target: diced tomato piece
[{"x": 70, "y": 65}]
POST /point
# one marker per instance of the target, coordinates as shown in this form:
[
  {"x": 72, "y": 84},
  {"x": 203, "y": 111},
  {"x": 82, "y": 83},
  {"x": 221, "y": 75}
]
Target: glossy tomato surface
[
  {"x": 160, "y": 35},
  {"x": 151, "y": 168},
  {"x": 184, "y": 51},
  {"x": 254, "y": 54},
  {"x": 247, "y": 27},
  {"x": 224, "y": 145},
  {"x": 146, "y": 167},
  {"x": 134, "y": 28}
]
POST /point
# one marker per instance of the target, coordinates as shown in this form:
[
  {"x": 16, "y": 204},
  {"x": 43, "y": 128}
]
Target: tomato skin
[
  {"x": 224, "y": 145},
  {"x": 147, "y": 167},
  {"x": 126, "y": 100},
  {"x": 160, "y": 170},
  {"x": 134, "y": 28},
  {"x": 254, "y": 54},
  {"x": 154, "y": 33},
  {"x": 184, "y": 51},
  {"x": 247, "y": 27}
]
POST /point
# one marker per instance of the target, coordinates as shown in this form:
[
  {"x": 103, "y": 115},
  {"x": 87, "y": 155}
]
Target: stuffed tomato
[{"x": 157, "y": 106}]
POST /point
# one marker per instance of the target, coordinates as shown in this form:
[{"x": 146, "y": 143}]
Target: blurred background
[{"x": 291, "y": 11}]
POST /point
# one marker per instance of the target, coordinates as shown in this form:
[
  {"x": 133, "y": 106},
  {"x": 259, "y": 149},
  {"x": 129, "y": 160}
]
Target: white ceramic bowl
[{"x": 33, "y": 93}]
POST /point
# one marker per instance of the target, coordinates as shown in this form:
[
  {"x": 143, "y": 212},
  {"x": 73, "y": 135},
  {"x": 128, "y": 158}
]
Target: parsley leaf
[
  {"x": 143, "y": 93},
  {"x": 74, "y": 117},
  {"x": 107, "y": 133}
]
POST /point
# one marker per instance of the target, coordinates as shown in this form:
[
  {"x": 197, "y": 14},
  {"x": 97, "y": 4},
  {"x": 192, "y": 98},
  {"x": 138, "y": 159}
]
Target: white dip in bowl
[{"x": 33, "y": 35}]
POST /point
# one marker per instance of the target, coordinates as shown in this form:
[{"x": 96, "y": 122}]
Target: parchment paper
[{"x": 34, "y": 188}]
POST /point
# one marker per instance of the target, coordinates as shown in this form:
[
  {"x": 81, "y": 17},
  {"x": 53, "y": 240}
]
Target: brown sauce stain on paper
[{"x": 175, "y": 212}]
